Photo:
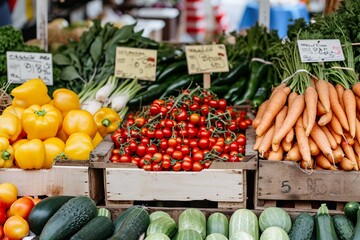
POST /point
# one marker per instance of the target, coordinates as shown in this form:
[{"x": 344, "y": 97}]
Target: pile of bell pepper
[{"x": 36, "y": 129}]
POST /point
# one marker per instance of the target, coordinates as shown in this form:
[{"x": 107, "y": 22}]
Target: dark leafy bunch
[{"x": 187, "y": 132}]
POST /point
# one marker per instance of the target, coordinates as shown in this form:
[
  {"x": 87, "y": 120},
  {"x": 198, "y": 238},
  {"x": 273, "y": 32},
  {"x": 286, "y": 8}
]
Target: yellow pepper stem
[
  {"x": 41, "y": 112},
  {"x": 106, "y": 122},
  {"x": 5, "y": 155}
]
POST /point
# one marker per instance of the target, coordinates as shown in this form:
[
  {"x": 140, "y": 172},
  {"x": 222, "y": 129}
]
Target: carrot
[
  {"x": 357, "y": 133},
  {"x": 330, "y": 137},
  {"x": 294, "y": 112},
  {"x": 337, "y": 137},
  {"x": 336, "y": 126},
  {"x": 357, "y": 103},
  {"x": 314, "y": 149},
  {"x": 356, "y": 147},
  {"x": 260, "y": 113},
  {"x": 338, "y": 154},
  {"x": 289, "y": 136},
  {"x": 324, "y": 163},
  {"x": 280, "y": 118},
  {"x": 356, "y": 89},
  {"x": 317, "y": 167},
  {"x": 326, "y": 118},
  {"x": 294, "y": 153},
  {"x": 307, "y": 165},
  {"x": 322, "y": 88},
  {"x": 350, "y": 110},
  {"x": 291, "y": 97},
  {"x": 358, "y": 114},
  {"x": 311, "y": 98},
  {"x": 266, "y": 141},
  {"x": 302, "y": 140},
  {"x": 286, "y": 145},
  {"x": 340, "y": 91},
  {"x": 337, "y": 109},
  {"x": 257, "y": 142},
  {"x": 321, "y": 141},
  {"x": 346, "y": 164},
  {"x": 350, "y": 154},
  {"x": 348, "y": 138},
  {"x": 320, "y": 110},
  {"x": 276, "y": 155},
  {"x": 276, "y": 89},
  {"x": 275, "y": 105},
  {"x": 305, "y": 119}
]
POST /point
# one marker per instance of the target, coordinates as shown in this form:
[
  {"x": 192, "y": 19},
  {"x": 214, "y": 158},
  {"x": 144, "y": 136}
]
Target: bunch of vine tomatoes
[{"x": 187, "y": 132}]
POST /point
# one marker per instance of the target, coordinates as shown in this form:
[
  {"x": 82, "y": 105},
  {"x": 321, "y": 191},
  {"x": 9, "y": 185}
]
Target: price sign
[
  {"x": 206, "y": 58},
  {"x": 264, "y": 13},
  {"x": 321, "y": 50},
  {"x": 42, "y": 23},
  {"x": 23, "y": 66},
  {"x": 136, "y": 63}
]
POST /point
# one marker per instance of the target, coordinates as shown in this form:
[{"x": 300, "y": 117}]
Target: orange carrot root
[
  {"x": 337, "y": 109},
  {"x": 350, "y": 110},
  {"x": 311, "y": 99},
  {"x": 322, "y": 88},
  {"x": 326, "y": 118},
  {"x": 260, "y": 113}
]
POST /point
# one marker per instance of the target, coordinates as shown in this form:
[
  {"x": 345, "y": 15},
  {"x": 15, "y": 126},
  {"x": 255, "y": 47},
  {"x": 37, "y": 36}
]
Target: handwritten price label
[
  {"x": 206, "y": 59},
  {"x": 23, "y": 66},
  {"x": 322, "y": 50},
  {"x": 136, "y": 63}
]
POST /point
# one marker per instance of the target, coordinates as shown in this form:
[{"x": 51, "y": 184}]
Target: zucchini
[
  {"x": 121, "y": 218},
  {"x": 174, "y": 69},
  {"x": 325, "y": 229},
  {"x": 69, "y": 219},
  {"x": 357, "y": 227},
  {"x": 350, "y": 210},
  {"x": 164, "y": 225},
  {"x": 99, "y": 228},
  {"x": 44, "y": 210},
  {"x": 217, "y": 223},
  {"x": 344, "y": 228},
  {"x": 134, "y": 225},
  {"x": 302, "y": 228}
]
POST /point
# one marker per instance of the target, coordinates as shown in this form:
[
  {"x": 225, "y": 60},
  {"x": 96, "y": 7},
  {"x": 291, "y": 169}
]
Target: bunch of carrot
[{"x": 312, "y": 121}]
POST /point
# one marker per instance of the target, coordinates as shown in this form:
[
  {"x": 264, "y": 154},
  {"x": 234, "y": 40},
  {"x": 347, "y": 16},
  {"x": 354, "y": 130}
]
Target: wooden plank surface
[
  {"x": 59, "y": 180},
  {"x": 286, "y": 181},
  {"x": 210, "y": 184}
]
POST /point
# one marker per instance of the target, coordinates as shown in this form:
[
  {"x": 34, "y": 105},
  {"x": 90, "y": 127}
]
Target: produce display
[{"x": 187, "y": 132}]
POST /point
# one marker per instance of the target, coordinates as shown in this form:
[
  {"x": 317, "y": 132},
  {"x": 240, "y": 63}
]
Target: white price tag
[
  {"x": 264, "y": 13},
  {"x": 42, "y": 23},
  {"x": 320, "y": 50},
  {"x": 23, "y": 66}
]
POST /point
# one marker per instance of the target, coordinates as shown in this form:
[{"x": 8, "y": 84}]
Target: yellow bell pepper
[
  {"x": 107, "y": 120},
  {"x": 79, "y": 121},
  {"x": 31, "y": 92},
  {"x": 53, "y": 147},
  {"x": 6, "y": 153},
  {"x": 78, "y": 146},
  {"x": 65, "y": 100},
  {"x": 10, "y": 126},
  {"x": 97, "y": 139},
  {"x": 31, "y": 154},
  {"x": 41, "y": 122},
  {"x": 17, "y": 111},
  {"x": 19, "y": 142},
  {"x": 62, "y": 135}
]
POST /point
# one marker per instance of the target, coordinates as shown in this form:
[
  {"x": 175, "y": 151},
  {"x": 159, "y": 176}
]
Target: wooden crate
[
  {"x": 64, "y": 178},
  {"x": 285, "y": 184},
  {"x": 224, "y": 184}
]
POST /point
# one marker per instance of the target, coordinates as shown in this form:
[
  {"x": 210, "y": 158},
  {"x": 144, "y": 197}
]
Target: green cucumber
[
  {"x": 303, "y": 227},
  {"x": 344, "y": 228},
  {"x": 99, "y": 228},
  {"x": 325, "y": 229},
  {"x": 357, "y": 227},
  {"x": 121, "y": 218},
  {"x": 164, "y": 225},
  {"x": 69, "y": 219},
  {"x": 44, "y": 210},
  {"x": 157, "y": 214},
  {"x": 351, "y": 209},
  {"x": 188, "y": 234},
  {"x": 134, "y": 225},
  {"x": 217, "y": 223}
]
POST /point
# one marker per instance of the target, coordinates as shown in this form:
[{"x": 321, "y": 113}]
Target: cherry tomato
[
  {"x": 203, "y": 143},
  {"x": 233, "y": 156},
  {"x": 248, "y": 121},
  {"x": 225, "y": 157},
  {"x": 132, "y": 145},
  {"x": 207, "y": 164},
  {"x": 150, "y": 133},
  {"x": 180, "y": 114},
  {"x": 114, "y": 158},
  {"x": 204, "y": 134},
  {"x": 198, "y": 156},
  {"x": 170, "y": 151},
  {"x": 157, "y": 157},
  {"x": 241, "y": 150},
  {"x": 194, "y": 118},
  {"x": 166, "y": 164},
  {"x": 156, "y": 167},
  {"x": 166, "y": 132},
  {"x": 186, "y": 165},
  {"x": 204, "y": 109},
  {"x": 178, "y": 155},
  {"x": 176, "y": 166},
  {"x": 197, "y": 99},
  {"x": 169, "y": 123},
  {"x": 160, "y": 102},
  {"x": 193, "y": 143},
  {"x": 147, "y": 167},
  {"x": 241, "y": 140},
  {"x": 139, "y": 121},
  {"x": 233, "y": 146},
  {"x": 145, "y": 141},
  {"x": 183, "y": 133},
  {"x": 115, "y": 137},
  {"x": 194, "y": 107},
  {"x": 164, "y": 144},
  {"x": 185, "y": 150},
  {"x": 222, "y": 104},
  {"x": 159, "y": 134},
  {"x": 217, "y": 148},
  {"x": 196, "y": 166},
  {"x": 141, "y": 150},
  {"x": 135, "y": 160},
  {"x": 22, "y": 207},
  {"x": 232, "y": 126},
  {"x": 152, "y": 149},
  {"x": 202, "y": 121},
  {"x": 16, "y": 228},
  {"x": 125, "y": 158},
  {"x": 154, "y": 109},
  {"x": 242, "y": 125}
]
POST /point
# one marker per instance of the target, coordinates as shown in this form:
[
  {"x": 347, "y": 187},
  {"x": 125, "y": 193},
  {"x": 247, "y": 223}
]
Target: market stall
[{"x": 109, "y": 134}]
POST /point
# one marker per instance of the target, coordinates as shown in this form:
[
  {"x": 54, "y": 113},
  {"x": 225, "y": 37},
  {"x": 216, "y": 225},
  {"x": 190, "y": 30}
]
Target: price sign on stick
[
  {"x": 23, "y": 66},
  {"x": 136, "y": 63},
  {"x": 321, "y": 50},
  {"x": 206, "y": 59},
  {"x": 264, "y": 13},
  {"x": 42, "y": 23}
]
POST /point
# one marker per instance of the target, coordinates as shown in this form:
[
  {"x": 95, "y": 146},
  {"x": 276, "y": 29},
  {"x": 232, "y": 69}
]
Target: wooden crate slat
[
  {"x": 209, "y": 184},
  {"x": 59, "y": 180}
]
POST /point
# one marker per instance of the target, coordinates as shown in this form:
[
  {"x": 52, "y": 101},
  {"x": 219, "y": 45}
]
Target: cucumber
[
  {"x": 189, "y": 234},
  {"x": 157, "y": 236},
  {"x": 217, "y": 223},
  {"x": 157, "y": 214},
  {"x": 69, "y": 219},
  {"x": 99, "y": 228},
  {"x": 216, "y": 236},
  {"x": 164, "y": 225},
  {"x": 357, "y": 227},
  {"x": 121, "y": 218},
  {"x": 343, "y": 226},
  {"x": 134, "y": 225},
  {"x": 325, "y": 229},
  {"x": 103, "y": 212},
  {"x": 350, "y": 210},
  {"x": 302, "y": 228},
  {"x": 44, "y": 210}
]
